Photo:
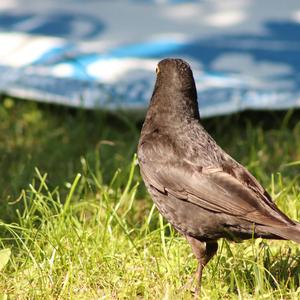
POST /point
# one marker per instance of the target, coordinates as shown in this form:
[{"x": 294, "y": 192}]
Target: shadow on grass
[{"x": 58, "y": 141}]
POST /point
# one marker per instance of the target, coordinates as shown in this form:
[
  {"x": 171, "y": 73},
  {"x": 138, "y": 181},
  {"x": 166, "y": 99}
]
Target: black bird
[{"x": 202, "y": 191}]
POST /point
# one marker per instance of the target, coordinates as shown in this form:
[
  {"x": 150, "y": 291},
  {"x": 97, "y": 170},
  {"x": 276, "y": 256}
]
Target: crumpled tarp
[{"x": 102, "y": 54}]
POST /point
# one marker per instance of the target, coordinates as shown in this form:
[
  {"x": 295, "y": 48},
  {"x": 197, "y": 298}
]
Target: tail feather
[{"x": 287, "y": 232}]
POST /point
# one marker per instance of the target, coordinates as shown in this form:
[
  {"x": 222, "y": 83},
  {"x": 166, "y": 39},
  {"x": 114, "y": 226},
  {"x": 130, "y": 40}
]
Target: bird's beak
[{"x": 157, "y": 70}]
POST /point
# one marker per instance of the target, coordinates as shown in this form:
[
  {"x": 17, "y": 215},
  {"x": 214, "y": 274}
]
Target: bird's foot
[
  {"x": 190, "y": 285},
  {"x": 194, "y": 283}
]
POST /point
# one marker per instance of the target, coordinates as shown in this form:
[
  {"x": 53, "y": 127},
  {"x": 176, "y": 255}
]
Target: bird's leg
[{"x": 203, "y": 251}]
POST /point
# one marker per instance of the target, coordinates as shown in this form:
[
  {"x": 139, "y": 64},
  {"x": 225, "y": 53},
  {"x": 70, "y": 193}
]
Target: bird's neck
[{"x": 172, "y": 109}]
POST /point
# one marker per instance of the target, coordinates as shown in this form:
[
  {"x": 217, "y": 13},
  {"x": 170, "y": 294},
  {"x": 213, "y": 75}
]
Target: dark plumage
[{"x": 203, "y": 192}]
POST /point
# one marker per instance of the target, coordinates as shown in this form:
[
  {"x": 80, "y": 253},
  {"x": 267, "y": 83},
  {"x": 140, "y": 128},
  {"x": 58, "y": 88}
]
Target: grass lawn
[{"x": 77, "y": 223}]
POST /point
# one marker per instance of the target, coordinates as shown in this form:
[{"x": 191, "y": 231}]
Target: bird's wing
[{"x": 235, "y": 192}]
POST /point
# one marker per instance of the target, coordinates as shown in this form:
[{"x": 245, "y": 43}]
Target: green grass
[{"x": 77, "y": 223}]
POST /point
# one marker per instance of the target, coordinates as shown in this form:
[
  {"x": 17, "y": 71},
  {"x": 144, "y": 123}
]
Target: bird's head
[
  {"x": 174, "y": 73},
  {"x": 175, "y": 92}
]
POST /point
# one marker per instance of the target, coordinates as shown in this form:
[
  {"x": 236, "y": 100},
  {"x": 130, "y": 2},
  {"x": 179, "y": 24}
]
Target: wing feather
[{"x": 234, "y": 192}]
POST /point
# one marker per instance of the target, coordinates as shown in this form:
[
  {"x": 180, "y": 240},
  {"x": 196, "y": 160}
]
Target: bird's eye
[{"x": 157, "y": 70}]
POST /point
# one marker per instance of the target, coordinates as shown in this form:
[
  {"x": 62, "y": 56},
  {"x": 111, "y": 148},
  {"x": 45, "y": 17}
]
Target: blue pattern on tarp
[
  {"x": 50, "y": 23},
  {"x": 53, "y": 54},
  {"x": 103, "y": 53},
  {"x": 151, "y": 49}
]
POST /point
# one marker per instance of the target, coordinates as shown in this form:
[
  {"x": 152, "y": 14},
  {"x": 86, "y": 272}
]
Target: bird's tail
[{"x": 290, "y": 232}]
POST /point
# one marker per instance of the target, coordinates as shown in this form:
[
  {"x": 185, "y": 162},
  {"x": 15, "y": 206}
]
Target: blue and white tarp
[{"x": 94, "y": 54}]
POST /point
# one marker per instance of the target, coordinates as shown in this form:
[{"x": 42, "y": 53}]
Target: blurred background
[{"x": 245, "y": 54}]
